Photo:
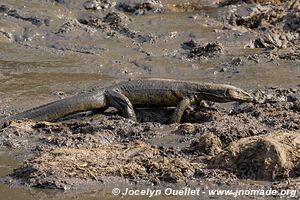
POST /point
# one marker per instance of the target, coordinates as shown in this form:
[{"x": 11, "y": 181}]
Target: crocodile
[{"x": 125, "y": 96}]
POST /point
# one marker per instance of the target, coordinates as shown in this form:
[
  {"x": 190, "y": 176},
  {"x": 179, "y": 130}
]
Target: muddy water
[{"x": 38, "y": 66}]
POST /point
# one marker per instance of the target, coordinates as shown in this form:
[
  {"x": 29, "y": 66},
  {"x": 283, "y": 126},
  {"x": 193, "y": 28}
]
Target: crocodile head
[{"x": 225, "y": 93}]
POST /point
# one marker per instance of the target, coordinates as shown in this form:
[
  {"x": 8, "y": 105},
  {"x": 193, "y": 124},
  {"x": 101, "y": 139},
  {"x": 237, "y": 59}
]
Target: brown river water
[{"x": 56, "y": 56}]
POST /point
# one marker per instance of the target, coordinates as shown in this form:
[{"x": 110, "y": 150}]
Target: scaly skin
[{"x": 137, "y": 93}]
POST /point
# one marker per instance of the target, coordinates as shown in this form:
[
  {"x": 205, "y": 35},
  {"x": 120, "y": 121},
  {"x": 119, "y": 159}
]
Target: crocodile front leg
[
  {"x": 181, "y": 108},
  {"x": 121, "y": 102}
]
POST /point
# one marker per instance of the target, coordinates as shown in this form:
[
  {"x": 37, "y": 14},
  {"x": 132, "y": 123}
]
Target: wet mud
[
  {"x": 56, "y": 48},
  {"x": 218, "y": 143},
  {"x": 276, "y": 24}
]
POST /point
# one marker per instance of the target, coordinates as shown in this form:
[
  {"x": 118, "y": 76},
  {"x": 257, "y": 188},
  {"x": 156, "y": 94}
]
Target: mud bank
[
  {"x": 56, "y": 48},
  {"x": 219, "y": 144},
  {"x": 275, "y": 23}
]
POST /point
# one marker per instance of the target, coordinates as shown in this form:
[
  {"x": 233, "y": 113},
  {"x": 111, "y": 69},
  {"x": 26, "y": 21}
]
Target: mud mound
[
  {"x": 23, "y": 16},
  {"x": 98, "y": 4},
  {"x": 274, "y": 109},
  {"x": 134, "y": 161},
  {"x": 277, "y": 27},
  {"x": 114, "y": 24},
  {"x": 196, "y": 51},
  {"x": 71, "y": 153},
  {"x": 71, "y": 134},
  {"x": 281, "y": 18},
  {"x": 268, "y": 157},
  {"x": 208, "y": 144},
  {"x": 232, "y": 2},
  {"x": 139, "y": 7}
]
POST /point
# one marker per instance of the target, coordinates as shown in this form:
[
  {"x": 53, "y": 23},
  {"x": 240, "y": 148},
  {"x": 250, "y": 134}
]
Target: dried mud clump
[
  {"x": 208, "y": 144},
  {"x": 68, "y": 27},
  {"x": 116, "y": 19},
  {"x": 115, "y": 24},
  {"x": 267, "y": 157},
  {"x": 196, "y": 51},
  {"x": 273, "y": 109},
  {"x": 112, "y": 20},
  {"x": 233, "y": 2},
  {"x": 98, "y": 4},
  {"x": 22, "y": 16},
  {"x": 134, "y": 161},
  {"x": 138, "y": 7},
  {"x": 277, "y": 27},
  {"x": 72, "y": 134},
  {"x": 257, "y": 140},
  {"x": 296, "y": 106}
]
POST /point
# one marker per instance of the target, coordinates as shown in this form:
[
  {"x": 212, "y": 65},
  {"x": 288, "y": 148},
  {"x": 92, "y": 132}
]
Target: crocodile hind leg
[
  {"x": 121, "y": 102},
  {"x": 181, "y": 108}
]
